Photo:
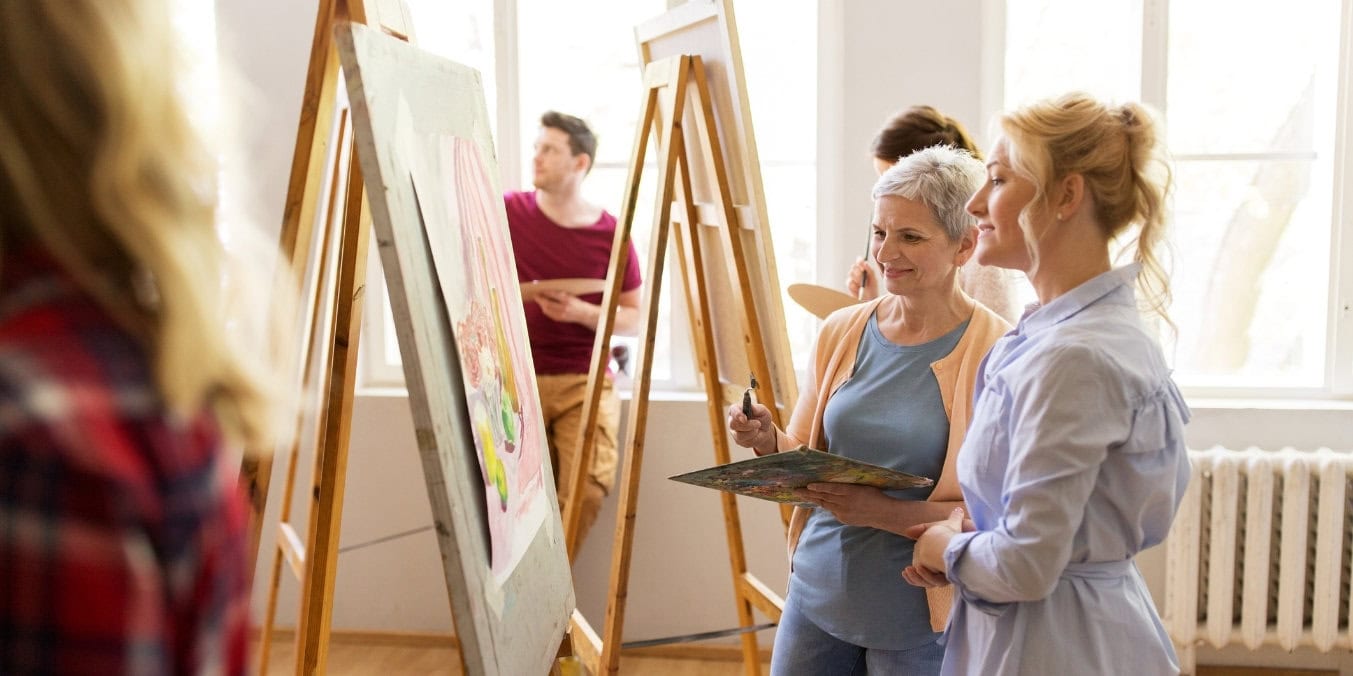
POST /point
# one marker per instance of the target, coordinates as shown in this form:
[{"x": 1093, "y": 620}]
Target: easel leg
[
  {"x": 691, "y": 263},
  {"x": 669, "y": 150},
  {"x": 747, "y": 589},
  {"x": 586, "y": 448},
  {"x": 312, "y": 633},
  {"x": 255, "y": 479},
  {"x": 670, "y": 77},
  {"x": 315, "y": 367}
]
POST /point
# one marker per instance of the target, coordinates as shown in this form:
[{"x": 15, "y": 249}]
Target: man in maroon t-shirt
[{"x": 558, "y": 235}]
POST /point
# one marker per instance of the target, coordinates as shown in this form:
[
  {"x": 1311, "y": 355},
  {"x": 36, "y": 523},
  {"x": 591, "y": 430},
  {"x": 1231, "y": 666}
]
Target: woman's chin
[{"x": 991, "y": 258}]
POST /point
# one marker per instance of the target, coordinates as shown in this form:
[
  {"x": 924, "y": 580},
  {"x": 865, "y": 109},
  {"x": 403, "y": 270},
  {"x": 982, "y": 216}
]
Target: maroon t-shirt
[{"x": 547, "y": 250}]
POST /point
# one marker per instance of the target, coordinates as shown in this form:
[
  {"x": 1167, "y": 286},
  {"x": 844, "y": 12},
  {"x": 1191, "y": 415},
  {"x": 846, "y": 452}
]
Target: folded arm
[{"x": 1064, "y": 419}]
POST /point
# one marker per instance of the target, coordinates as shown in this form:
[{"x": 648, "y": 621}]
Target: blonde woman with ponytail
[
  {"x": 1074, "y": 461},
  {"x": 122, "y": 527}
]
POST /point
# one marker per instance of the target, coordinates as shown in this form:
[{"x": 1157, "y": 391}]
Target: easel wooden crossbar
[{"x": 677, "y": 110}]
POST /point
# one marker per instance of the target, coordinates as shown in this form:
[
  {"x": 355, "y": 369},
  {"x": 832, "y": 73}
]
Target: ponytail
[{"x": 1117, "y": 151}]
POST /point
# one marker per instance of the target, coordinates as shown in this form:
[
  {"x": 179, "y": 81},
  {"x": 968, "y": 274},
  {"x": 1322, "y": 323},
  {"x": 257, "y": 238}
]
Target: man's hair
[{"x": 581, "y": 140}]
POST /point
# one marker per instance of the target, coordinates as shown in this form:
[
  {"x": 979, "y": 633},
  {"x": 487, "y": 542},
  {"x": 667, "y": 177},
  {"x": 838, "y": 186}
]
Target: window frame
[{"x": 1338, "y": 366}]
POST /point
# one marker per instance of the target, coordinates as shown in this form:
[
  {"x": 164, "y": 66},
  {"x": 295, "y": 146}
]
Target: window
[
  {"x": 1251, "y": 99},
  {"x": 594, "y": 73},
  {"x": 586, "y": 63},
  {"x": 779, "y": 55},
  {"x": 463, "y": 32},
  {"x": 195, "y": 23},
  {"x": 195, "y": 28}
]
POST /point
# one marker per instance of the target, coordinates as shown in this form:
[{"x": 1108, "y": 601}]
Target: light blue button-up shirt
[{"x": 1074, "y": 462}]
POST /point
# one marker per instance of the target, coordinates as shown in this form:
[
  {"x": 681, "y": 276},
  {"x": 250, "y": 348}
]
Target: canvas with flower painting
[
  {"x": 427, "y": 159},
  {"x": 471, "y": 251}
]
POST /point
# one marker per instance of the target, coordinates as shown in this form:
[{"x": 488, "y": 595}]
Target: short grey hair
[{"x": 941, "y": 177}]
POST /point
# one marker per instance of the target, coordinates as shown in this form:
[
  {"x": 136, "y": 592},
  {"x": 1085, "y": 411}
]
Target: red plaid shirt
[{"x": 122, "y": 530}]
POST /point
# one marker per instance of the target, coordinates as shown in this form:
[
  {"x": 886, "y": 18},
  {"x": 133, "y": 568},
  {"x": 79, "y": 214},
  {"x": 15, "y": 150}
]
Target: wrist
[
  {"x": 936, "y": 544},
  {"x": 774, "y": 445}
]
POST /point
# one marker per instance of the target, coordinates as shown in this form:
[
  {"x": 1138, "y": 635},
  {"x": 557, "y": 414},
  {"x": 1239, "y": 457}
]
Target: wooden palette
[
  {"x": 577, "y": 286},
  {"x": 820, "y": 300}
]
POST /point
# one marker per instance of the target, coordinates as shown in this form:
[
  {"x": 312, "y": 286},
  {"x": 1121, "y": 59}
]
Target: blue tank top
[{"x": 847, "y": 579}]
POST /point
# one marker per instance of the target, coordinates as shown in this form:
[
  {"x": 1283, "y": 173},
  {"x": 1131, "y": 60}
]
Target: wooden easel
[
  {"x": 336, "y": 253},
  {"x": 422, "y": 130},
  {"x": 670, "y": 85}
]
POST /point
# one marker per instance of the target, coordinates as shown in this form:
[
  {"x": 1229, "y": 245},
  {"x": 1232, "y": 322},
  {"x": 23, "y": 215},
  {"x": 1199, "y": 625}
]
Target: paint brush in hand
[
  {"x": 864, "y": 274},
  {"x": 747, "y": 398}
]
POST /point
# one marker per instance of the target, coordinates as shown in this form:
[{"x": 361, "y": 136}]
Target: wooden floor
[
  {"x": 357, "y": 658},
  {"x": 1260, "y": 671},
  {"x": 349, "y": 657}
]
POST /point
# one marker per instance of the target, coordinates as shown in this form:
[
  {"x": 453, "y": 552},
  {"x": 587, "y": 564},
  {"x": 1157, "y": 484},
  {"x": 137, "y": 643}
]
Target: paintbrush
[
  {"x": 864, "y": 274},
  {"x": 747, "y": 398}
]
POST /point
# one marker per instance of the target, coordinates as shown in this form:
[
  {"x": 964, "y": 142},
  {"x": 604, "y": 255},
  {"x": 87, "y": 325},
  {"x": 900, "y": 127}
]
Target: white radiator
[{"x": 1260, "y": 552}]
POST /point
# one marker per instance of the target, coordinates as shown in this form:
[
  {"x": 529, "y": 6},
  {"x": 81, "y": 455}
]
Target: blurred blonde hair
[
  {"x": 1116, "y": 150},
  {"x": 101, "y": 166}
]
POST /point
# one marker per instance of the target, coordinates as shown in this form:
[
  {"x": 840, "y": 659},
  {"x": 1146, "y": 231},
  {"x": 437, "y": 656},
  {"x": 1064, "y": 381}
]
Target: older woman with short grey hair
[
  {"x": 940, "y": 177},
  {"x": 890, "y": 382}
]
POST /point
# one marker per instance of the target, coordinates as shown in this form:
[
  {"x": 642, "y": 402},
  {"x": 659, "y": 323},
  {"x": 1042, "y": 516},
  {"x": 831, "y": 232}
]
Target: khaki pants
[{"x": 561, "y": 404}]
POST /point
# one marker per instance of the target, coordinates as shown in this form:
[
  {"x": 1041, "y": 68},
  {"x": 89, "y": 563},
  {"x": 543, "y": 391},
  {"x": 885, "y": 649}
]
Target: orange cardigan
[{"x": 833, "y": 363}]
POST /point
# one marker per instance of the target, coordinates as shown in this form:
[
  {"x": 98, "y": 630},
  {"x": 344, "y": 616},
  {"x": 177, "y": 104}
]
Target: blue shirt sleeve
[{"x": 1062, "y": 423}]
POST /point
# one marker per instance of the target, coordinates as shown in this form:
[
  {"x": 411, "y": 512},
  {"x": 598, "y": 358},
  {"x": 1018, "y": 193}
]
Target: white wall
[
  {"x": 877, "y": 56},
  {"x": 264, "y": 47}
]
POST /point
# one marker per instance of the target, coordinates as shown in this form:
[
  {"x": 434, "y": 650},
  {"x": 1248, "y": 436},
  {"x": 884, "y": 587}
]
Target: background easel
[
  {"x": 726, "y": 299},
  {"x": 324, "y": 236}
]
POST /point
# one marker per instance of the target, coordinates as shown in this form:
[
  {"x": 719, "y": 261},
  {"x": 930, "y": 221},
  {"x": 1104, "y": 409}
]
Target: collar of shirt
[{"x": 1039, "y": 317}]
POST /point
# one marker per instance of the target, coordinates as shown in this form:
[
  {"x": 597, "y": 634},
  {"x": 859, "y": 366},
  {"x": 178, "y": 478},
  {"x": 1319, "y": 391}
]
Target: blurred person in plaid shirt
[{"x": 122, "y": 385}]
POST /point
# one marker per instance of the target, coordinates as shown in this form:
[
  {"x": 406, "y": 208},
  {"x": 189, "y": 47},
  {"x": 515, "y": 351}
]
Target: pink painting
[{"x": 466, "y": 230}]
